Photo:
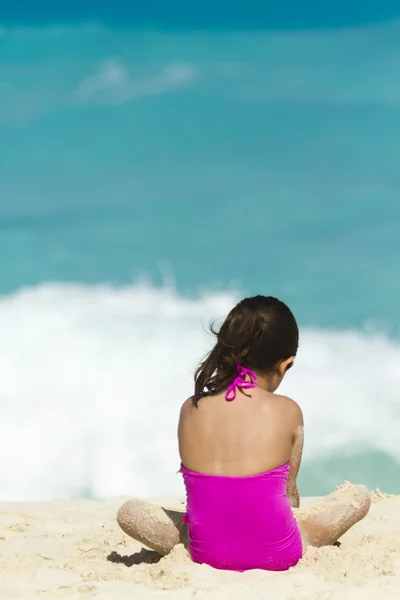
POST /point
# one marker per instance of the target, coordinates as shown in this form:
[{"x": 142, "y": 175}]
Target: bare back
[{"x": 255, "y": 433}]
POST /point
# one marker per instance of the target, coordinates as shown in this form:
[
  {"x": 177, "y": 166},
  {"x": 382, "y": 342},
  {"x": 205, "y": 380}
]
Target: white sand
[{"x": 74, "y": 549}]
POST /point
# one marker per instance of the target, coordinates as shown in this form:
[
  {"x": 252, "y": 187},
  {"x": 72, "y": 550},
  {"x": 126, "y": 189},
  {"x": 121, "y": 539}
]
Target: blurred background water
[{"x": 157, "y": 163}]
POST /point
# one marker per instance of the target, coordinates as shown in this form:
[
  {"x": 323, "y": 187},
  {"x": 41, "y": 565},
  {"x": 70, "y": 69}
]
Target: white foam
[{"x": 92, "y": 378}]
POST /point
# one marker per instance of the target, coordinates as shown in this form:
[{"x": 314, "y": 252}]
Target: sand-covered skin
[{"x": 74, "y": 549}]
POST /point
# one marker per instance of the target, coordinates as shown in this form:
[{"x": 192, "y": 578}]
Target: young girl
[{"x": 241, "y": 445}]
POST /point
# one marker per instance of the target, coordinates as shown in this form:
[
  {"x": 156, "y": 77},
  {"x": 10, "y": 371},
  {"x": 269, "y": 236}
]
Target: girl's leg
[
  {"x": 330, "y": 518},
  {"x": 322, "y": 524},
  {"x": 157, "y": 528}
]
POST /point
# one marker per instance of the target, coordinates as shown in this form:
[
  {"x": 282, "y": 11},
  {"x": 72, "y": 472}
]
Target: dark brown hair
[{"x": 258, "y": 333}]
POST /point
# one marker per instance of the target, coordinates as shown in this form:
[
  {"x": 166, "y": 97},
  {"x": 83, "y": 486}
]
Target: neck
[{"x": 266, "y": 382}]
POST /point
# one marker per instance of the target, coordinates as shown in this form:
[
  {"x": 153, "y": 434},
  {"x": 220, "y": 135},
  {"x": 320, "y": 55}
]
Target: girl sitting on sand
[{"x": 241, "y": 445}]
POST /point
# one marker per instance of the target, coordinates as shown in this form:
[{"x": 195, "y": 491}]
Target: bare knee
[
  {"x": 149, "y": 524},
  {"x": 337, "y": 515},
  {"x": 127, "y": 517},
  {"x": 363, "y": 501}
]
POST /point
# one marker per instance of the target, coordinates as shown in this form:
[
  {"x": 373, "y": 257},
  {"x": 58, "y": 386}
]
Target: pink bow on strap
[{"x": 240, "y": 382}]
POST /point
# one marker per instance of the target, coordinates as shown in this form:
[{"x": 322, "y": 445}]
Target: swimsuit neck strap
[{"x": 241, "y": 381}]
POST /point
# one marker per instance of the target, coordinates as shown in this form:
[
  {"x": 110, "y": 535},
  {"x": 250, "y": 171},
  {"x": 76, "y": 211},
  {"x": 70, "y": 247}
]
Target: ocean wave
[
  {"x": 112, "y": 83},
  {"x": 92, "y": 379}
]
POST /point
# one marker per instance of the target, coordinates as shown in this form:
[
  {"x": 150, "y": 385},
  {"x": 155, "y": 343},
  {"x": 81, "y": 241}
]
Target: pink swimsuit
[{"x": 241, "y": 523}]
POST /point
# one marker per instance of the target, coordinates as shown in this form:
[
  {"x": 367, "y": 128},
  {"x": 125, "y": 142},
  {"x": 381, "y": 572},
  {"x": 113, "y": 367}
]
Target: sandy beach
[{"x": 74, "y": 549}]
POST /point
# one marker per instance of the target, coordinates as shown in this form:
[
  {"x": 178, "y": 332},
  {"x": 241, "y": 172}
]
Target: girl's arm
[{"x": 295, "y": 461}]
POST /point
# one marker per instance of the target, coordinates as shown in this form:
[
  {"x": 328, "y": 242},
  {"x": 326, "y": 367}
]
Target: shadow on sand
[{"x": 147, "y": 557}]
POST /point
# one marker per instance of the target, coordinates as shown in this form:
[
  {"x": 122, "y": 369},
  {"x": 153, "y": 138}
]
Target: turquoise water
[
  {"x": 209, "y": 14},
  {"x": 218, "y": 163},
  {"x": 266, "y": 160}
]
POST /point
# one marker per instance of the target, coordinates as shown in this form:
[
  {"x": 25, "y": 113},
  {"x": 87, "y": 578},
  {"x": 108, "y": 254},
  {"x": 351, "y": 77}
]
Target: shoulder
[
  {"x": 291, "y": 408},
  {"x": 187, "y": 406},
  {"x": 185, "y": 415}
]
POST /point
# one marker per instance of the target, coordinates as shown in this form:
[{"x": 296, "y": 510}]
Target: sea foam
[{"x": 92, "y": 379}]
